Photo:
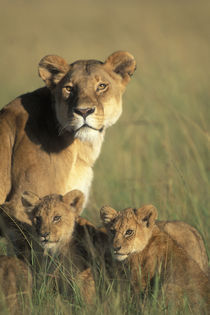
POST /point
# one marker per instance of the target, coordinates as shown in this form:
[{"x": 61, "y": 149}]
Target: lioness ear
[
  {"x": 123, "y": 63},
  {"x": 52, "y": 69},
  {"x": 75, "y": 199},
  {"x": 107, "y": 214},
  {"x": 29, "y": 199},
  {"x": 147, "y": 214}
]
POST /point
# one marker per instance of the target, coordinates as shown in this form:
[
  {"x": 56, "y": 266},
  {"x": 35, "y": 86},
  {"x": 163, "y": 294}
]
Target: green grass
[{"x": 158, "y": 152}]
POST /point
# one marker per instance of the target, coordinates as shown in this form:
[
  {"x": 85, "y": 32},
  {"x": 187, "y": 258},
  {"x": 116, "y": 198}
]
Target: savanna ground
[{"x": 158, "y": 152}]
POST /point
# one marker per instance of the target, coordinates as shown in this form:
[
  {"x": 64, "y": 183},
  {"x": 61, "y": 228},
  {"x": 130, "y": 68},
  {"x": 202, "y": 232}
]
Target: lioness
[
  {"x": 15, "y": 286},
  {"x": 73, "y": 241},
  {"x": 51, "y": 137},
  {"x": 147, "y": 251}
]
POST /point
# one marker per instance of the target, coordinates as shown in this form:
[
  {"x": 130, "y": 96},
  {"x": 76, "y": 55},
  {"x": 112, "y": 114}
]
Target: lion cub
[
  {"x": 148, "y": 252},
  {"x": 15, "y": 286},
  {"x": 73, "y": 241}
]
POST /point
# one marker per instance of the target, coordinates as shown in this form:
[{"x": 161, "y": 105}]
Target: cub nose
[
  {"x": 116, "y": 249},
  {"x": 84, "y": 112},
  {"x": 45, "y": 234}
]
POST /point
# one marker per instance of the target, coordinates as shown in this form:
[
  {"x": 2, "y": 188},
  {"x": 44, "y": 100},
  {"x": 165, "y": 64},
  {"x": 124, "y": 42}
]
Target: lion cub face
[
  {"x": 53, "y": 216},
  {"x": 87, "y": 93},
  {"x": 130, "y": 229}
]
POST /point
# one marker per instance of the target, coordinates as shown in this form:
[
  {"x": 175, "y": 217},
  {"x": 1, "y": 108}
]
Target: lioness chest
[
  {"x": 45, "y": 163},
  {"x": 46, "y": 173}
]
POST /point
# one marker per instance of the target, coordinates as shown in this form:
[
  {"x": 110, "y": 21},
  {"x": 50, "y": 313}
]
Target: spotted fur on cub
[
  {"x": 73, "y": 241},
  {"x": 148, "y": 252}
]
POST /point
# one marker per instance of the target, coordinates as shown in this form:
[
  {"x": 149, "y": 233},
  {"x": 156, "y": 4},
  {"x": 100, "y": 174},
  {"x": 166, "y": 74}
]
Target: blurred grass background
[{"x": 158, "y": 152}]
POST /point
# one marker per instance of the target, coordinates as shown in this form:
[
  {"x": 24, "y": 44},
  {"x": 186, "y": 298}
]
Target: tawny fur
[
  {"x": 149, "y": 252},
  {"x": 15, "y": 286},
  {"x": 73, "y": 241},
  {"x": 188, "y": 238},
  {"x": 51, "y": 137}
]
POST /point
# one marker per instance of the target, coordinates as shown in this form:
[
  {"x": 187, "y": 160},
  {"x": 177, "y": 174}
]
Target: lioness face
[
  {"x": 87, "y": 93},
  {"x": 88, "y": 100},
  {"x": 54, "y": 216},
  {"x": 129, "y": 230}
]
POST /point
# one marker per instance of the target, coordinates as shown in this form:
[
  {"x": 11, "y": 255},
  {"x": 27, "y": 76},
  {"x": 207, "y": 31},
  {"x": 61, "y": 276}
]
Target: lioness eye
[
  {"x": 56, "y": 218},
  {"x": 129, "y": 232},
  {"x": 68, "y": 88},
  {"x": 101, "y": 86}
]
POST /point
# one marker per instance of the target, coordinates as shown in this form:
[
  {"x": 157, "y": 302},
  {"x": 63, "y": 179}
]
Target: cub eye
[
  {"x": 113, "y": 231},
  {"x": 129, "y": 232},
  {"x": 57, "y": 218},
  {"x": 68, "y": 89},
  {"x": 37, "y": 220},
  {"x": 102, "y": 86}
]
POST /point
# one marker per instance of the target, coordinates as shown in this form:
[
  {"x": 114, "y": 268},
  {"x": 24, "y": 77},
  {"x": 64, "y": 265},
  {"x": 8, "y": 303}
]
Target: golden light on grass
[{"x": 158, "y": 152}]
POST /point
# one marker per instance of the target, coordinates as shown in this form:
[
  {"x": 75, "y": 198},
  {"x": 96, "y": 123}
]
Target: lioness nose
[
  {"x": 84, "y": 112},
  {"x": 117, "y": 248}
]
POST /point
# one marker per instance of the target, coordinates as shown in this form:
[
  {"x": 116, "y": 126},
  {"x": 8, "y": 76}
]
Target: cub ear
[
  {"x": 29, "y": 199},
  {"x": 123, "y": 63},
  {"x": 75, "y": 199},
  {"x": 147, "y": 214},
  {"x": 52, "y": 69},
  {"x": 107, "y": 214}
]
